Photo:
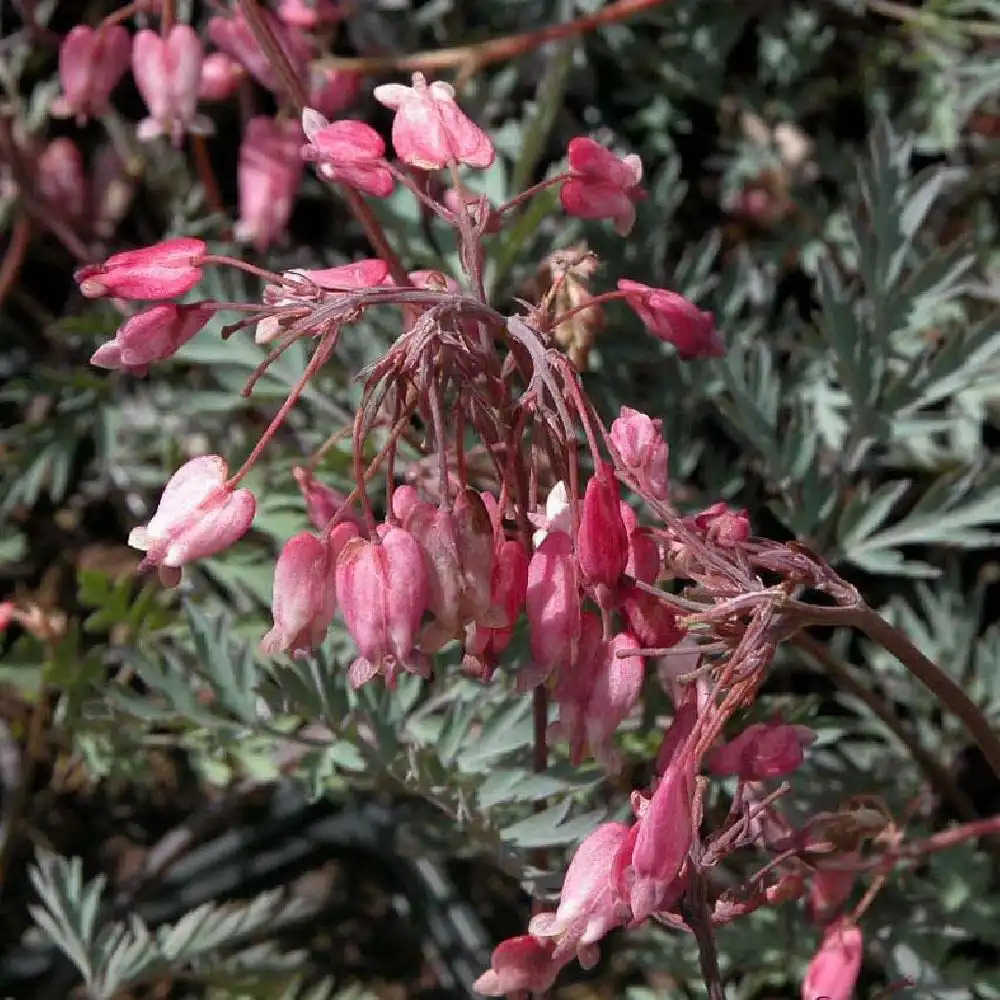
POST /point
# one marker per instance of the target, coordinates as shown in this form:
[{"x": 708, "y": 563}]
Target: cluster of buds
[{"x": 532, "y": 525}]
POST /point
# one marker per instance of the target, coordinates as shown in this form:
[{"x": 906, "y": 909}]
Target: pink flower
[
  {"x": 236, "y": 38},
  {"x": 430, "y": 130},
  {"x": 168, "y": 75},
  {"x": 651, "y": 620},
  {"x": 587, "y": 910},
  {"x": 91, "y": 62},
  {"x": 305, "y": 599},
  {"x": 552, "y": 601},
  {"x": 220, "y": 76},
  {"x": 601, "y": 186},
  {"x": 347, "y": 152},
  {"x": 198, "y": 516},
  {"x": 674, "y": 320},
  {"x": 597, "y": 693},
  {"x": 761, "y": 751},
  {"x": 457, "y": 546},
  {"x": 160, "y": 271},
  {"x": 382, "y": 590},
  {"x": 648, "y": 864},
  {"x": 269, "y": 173},
  {"x": 154, "y": 334},
  {"x": 602, "y": 541},
  {"x": 332, "y": 90},
  {"x": 723, "y": 526},
  {"x": 519, "y": 965},
  {"x": 640, "y": 445},
  {"x": 830, "y": 886},
  {"x": 7, "y": 611},
  {"x": 61, "y": 179},
  {"x": 834, "y": 969}
]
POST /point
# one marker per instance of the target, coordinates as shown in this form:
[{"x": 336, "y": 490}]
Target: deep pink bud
[
  {"x": 674, "y": 320},
  {"x": 332, "y": 90},
  {"x": 269, "y": 173},
  {"x": 235, "y": 37},
  {"x": 601, "y": 185},
  {"x": 648, "y": 864},
  {"x": 323, "y": 502},
  {"x": 305, "y": 599},
  {"x": 519, "y": 965},
  {"x": 382, "y": 591},
  {"x": 167, "y": 72},
  {"x": 368, "y": 273},
  {"x": 587, "y": 910},
  {"x": 723, "y": 526},
  {"x": 602, "y": 541},
  {"x": 160, "y": 271},
  {"x": 347, "y": 152},
  {"x": 430, "y": 130},
  {"x": 220, "y": 76},
  {"x": 553, "y": 605},
  {"x": 834, "y": 969},
  {"x": 61, "y": 179},
  {"x": 91, "y": 62},
  {"x": 640, "y": 445},
  {"x": 154, "y": 334},
  {"x": 761, "y": 751},
  {"x": 198, "y": 516}
]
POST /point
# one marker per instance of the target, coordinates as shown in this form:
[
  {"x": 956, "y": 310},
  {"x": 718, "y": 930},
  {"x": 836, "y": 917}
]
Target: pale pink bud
[
  {"x": 154, "y": 334},
  {"x": 269, "y": 173},
  {"x": 587, "y": 910},
  {"x": 382, "y": 591},
  {"x": 160, "y": 271},
  {"x": 519, "y": 965},
  {"x": 167, "y": 72},
  {"x": 332, "y": 90},
  {"x": 602, "y": 541},
  {"x": 430, "y": 130},
  {"x": 601, "y": 185},
  {"x": 615, "y": 690},
  {"x": 220, "y": 76},
  {"x": 671, "y": 318},
  {"x": 198, "y": 516},
  {"x": 639, "y": 442},
  {"x": 650, "y": 861},
  {"x": 235, "y": 37},
  {"x": 61, "y": 179},
  {"x": 347, "y": 152},
  {"x": 723, "y": 526},
  {"x": 552, "y": 601},
  {"x": 834, "y": 969},
  {"x": 309, "y": 14},
  {"x": 305, "y": 599},
  {"x": 91, "y": 62},
  {"x": 404, "y": 499},
  {"x": 508, "y": 585}
]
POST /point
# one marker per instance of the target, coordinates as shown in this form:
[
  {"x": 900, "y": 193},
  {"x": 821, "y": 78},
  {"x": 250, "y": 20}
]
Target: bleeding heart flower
[
  {"x": 601, "y": 186},
  {"x": 674, "y": 320}
]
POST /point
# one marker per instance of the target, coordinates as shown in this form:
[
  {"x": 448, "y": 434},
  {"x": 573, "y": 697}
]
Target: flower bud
[
  {"x": 91, "y": 62},
  {"x": 674, "y": 320},
  {"x": 602, "y": 541},
  {"x": 305, "y": 599},
  {"x": 347, "y": 152},
  {"x": 160, "y": 271},
  {"x": 761, "y": 751},
  {"x": 154, "y": 334},
  {"x": 640, "y": 445},
  {"x": 198, "y": 516},
  {"x": 834, "y": 968},
  {"x": 553, "y": 606},
  {"x": 430, "y": 130}
]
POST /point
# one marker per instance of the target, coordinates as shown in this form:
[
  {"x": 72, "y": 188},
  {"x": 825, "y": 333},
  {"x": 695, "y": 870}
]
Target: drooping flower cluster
[{"x": 524, "y": 511}]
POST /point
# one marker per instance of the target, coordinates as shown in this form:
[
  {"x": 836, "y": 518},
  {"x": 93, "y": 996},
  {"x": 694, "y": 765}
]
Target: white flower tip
[{"x": 312, "y": 122}]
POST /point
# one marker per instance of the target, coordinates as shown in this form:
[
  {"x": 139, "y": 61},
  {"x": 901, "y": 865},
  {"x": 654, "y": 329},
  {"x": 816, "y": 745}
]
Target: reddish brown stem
[
  {"x": 13, "y": 257},
  {"x": 494, "y": 50}
]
